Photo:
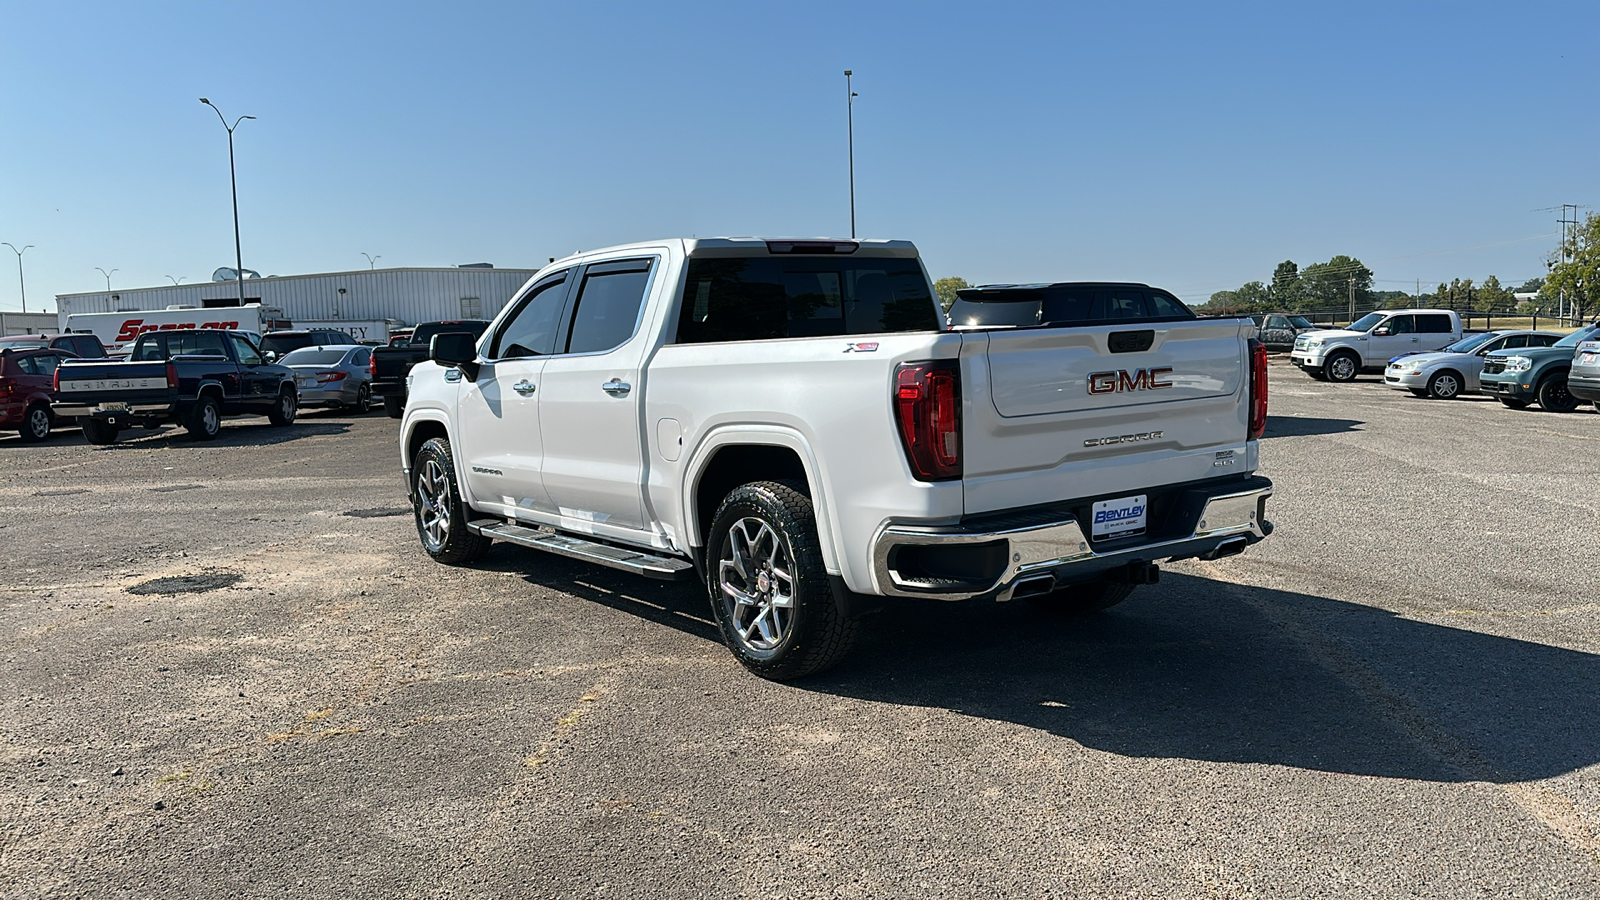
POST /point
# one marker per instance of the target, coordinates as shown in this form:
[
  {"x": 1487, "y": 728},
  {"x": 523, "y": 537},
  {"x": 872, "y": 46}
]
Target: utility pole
[
  {"x": 1352, "y": 298},
  {"x": 21, "y": 282},
  {"x": 850, "y": 126}
]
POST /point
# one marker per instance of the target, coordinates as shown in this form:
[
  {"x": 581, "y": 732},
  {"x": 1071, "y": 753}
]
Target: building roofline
[{"x": 273, "y": 278}]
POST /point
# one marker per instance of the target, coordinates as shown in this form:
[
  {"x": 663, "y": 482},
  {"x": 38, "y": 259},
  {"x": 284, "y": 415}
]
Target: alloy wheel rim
[
  {"x": 211, "y": 419},
  {"x": 433, "y": 504},
  {"x": 1560, "y": 396},
  {"x": 1447, "y": 386},
  {"x": 1343, "y": 368},
  {"x": 756, "y": 577},
  {"x": 39, "y": 423},
  {"x": 287, "y": 402}
]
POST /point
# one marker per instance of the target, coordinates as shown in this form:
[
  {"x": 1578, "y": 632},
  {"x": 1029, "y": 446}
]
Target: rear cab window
[
  {"x": 755, "y": 298},
  {"x": 1065, "y": 304}
]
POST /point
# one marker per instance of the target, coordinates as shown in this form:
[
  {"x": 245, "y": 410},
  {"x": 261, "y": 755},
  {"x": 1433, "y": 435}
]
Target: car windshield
[
  {"x": 1366, "y": 322},
  {"x": 1578, "y": 337},
  {"x": 313, "y": 356},
  {"x": 1470, "y": 343},
  {"x": 1301, "y": 322}
]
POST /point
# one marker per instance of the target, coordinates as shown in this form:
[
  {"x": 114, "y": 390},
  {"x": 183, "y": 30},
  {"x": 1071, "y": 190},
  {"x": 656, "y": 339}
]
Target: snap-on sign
[{"x": 135, "y": 327}]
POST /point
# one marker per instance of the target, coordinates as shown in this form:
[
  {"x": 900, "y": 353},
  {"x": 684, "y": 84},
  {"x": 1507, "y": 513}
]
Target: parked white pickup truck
[
  {"x": 792, "y": 422},
  {"x": 1368, "y": 343}
]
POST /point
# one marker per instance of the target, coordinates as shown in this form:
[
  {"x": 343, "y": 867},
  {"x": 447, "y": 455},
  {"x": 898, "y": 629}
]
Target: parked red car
[{"x": 26, "y": 377}]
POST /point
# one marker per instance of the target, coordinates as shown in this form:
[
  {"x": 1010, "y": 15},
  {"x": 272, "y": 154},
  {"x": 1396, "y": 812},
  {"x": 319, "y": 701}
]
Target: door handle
[
  {"x": 524, "y": 387},
  {"x": 616, "y": 388},
  {"x": 1416, "y": 340}
]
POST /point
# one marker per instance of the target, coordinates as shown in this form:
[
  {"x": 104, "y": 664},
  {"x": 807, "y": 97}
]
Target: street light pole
[
  {"x": 21, "y": 282},
  {"x": 372, "y": 261},
  {"x": 850, "y": 126},
  {"x": 233, "y": 178},
  {"x": 107, "y": 275}
]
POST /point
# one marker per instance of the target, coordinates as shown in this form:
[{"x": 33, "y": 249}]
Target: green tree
[
  {"x": 1329, "y": 285},
  {"x": 1576, "y": 267},
  {"x": 946, "y": 289},
  {"x": 1531, "y": 286},
  {"x": 1492, "y": 297},
  {"x": 1248, "y": 298},
  {"x": 1286, "y": 283}
]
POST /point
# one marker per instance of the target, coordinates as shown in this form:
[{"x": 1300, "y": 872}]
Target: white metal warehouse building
[{"x": 408, "y": 295}]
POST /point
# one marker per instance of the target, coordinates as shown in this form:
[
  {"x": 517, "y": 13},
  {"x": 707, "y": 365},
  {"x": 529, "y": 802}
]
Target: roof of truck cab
[
  {"x": 1058, "y": 284},
  {"x": 712, "y": 245}
]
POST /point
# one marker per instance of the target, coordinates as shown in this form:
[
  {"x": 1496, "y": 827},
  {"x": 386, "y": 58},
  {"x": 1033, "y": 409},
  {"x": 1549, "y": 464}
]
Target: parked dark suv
[{"x": 278, "y": 343}]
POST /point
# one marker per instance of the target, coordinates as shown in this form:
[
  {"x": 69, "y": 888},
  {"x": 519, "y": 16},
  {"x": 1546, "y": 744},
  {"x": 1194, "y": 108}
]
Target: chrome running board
[{"x": 650, "y": 565}]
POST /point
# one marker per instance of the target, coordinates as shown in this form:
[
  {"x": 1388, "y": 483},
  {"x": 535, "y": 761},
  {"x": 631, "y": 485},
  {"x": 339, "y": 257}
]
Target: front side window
[
  {"x": 247, "y": 353},
  {"x": 531, "y": 330},
  {"x": 1401, "y": 324},
  {"x": 762, "y": 298},
  {"x": 608, "y": 304},
  {"x": 45, "y": 363},
  {"x": 1277, "y": 322}
]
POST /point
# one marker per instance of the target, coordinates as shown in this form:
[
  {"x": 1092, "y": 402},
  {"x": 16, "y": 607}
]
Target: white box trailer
[
  {"x": 118, "y": 330},
  {"x": 375, "y": 331}
]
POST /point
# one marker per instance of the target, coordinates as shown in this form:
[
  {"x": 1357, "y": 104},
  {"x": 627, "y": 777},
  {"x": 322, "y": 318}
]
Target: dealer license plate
[
  {"x": 1589, "y": 358},
  {"x": 1118, "y": 518},
  {"x": 113, "y": 407}
]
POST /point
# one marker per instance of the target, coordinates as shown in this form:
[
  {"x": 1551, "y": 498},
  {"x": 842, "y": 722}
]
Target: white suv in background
[{"x": 1368, "y": 343}]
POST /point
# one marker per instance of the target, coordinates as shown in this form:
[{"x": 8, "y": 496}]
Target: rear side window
[
  {"x": 1541, "y": 340},
  {"x": 762, "y": 298},
  {"x": 608, "y": 305},
  {"x": 180, "y": 343},
  {"x": 45, "y": 364},
  {"x": 1433, "y": 323}
]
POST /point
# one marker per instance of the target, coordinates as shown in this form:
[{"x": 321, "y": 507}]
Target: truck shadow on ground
[
  {"x": 234, "y": 434},
  {"x": 1202, "y": 670},
  {"x": 1302, "y": 426}
]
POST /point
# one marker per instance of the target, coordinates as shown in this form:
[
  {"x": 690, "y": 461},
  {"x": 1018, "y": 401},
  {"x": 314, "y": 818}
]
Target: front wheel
[
  {"x": 283, "y": 411},
  {"x": 394, "y": 407},
  {"x": 1082, "y": 599},
  {"x": 1444, "y": 386},
  {"x": 769, "y": 591},
  {"x": 440, "y": 514},
  {"x": 1342, "y": 367},
  {"x": 98, "y": 432},
  {"x": 36, "y": 424},
  {"x": 1554, "y": 396}
]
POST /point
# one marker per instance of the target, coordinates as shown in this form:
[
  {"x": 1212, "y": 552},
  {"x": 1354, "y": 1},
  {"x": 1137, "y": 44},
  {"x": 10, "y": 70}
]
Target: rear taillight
[
  {"x": 9, "y": 387},
  {"x": 327, "y": 377},
  {"x": 927, "y": 406},
  {"x": 1258, "y": 388},
  {"x": 55, "y": 381},
  {"x": 372, "y": 366},
  {"x": 172, "y": 375}
]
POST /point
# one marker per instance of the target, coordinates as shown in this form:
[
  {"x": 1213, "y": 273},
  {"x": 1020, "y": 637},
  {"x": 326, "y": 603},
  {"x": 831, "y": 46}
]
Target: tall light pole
[
  {"x": 850, "y": 126},
  {"x": 372, "y": 261},
  {"x": 238, "y": 257},
  {"x": 21, "y": 282},
  {"x": 107, "y": 275}
]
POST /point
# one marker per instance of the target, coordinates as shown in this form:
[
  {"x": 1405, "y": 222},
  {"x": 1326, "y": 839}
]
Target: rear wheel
[
  {"x": 769, "y": 591},
  {"x": 96, "y": 431},
  {"x": 204, "y": 421},
  {"x": 1554, "y": 396},
  {"x": 1512, "y": 403},
  {"x": 36, "y": 423},
  {"x": 394, "y": 407},
  {"x": 441, "y": 516},
  {"x": 363, "y": 400},
  {"x": 1342, "y": 367},
  {"x": 1082, "y": 599},
  {"x": 1444, "y": 386},
  {"x": 283, "y": 411}
]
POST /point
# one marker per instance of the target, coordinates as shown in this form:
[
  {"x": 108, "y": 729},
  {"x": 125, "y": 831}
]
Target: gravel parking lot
[{"x": 230, "y": 671}]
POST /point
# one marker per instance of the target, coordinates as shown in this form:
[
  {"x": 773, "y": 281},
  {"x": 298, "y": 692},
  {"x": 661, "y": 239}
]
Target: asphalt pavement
[{"x": 229, "y": 670}]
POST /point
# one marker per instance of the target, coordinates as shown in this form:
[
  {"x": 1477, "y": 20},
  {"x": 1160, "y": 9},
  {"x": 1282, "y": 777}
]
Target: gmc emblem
[{"x": 1137, "y": 380}]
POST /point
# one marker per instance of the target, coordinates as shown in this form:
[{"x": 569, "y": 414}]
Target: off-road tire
[
  {"x": 284, "y": 408},
  {"x": 98, "y": 432},
  {"x": 1554, "y": 396},
  {"x": 1333, "y": 369},
  {"x": 815, "y": 633},
  {"x": 1445, "y": 385},
  {"x": 36, "y": 424},
  {"x": 1082, "y": 599},
  {"x": 393, "y": 407},
  {"x": 204, "y": 419},
  {"x": 436, "y": 506}
]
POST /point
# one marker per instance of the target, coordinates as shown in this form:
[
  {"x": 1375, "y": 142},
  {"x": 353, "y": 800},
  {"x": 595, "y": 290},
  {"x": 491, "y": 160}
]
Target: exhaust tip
[
  {"x": 1033, "y": 587},
  {"x": 1230, "y": 547}
]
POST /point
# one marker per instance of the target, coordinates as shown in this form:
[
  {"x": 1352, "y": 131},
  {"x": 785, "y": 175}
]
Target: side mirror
[
  {"x": 458, "y": 349},
  {"x": 270, "y": 356},
  {"x": 1380, "y": 332}
]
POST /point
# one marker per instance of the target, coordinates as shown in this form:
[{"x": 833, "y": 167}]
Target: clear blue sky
[{"x": 1190, "y": 145}]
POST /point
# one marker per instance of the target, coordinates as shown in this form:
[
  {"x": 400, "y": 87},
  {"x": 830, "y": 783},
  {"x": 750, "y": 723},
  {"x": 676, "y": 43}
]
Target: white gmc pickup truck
[{"x": 796, "y": 423}]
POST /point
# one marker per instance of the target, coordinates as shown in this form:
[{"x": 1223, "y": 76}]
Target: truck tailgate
[
  {"x": 90, "y": 382},
  {"x": 1056, "y": 414}
]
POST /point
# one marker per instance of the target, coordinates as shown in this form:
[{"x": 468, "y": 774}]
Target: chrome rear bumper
[{"x": 1228, "y": 522}]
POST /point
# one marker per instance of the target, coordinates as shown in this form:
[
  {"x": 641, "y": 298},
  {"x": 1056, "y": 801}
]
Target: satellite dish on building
[{"x": 227, "y": 274}]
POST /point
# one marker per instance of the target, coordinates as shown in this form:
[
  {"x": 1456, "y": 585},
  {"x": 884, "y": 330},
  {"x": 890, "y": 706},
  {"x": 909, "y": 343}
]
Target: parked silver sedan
[{"x": 335, "y": 375}]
